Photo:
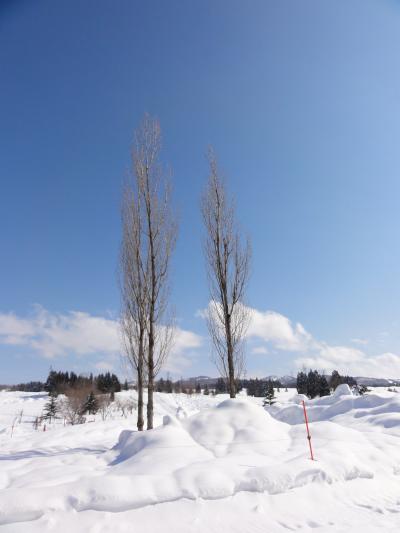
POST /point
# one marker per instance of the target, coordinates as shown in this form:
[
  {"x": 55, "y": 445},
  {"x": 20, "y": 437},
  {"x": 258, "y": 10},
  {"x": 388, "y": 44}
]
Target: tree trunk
[
  {"x": 150, "y": 389},
  {"x": 231, "y": 366},
  {"x": 140, "y": 419}
]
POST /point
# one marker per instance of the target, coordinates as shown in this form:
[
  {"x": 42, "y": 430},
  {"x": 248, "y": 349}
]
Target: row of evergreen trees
[
  {"x": 313, "y": 384},
  {"x": 59, "y": 382},
  {"x": 258, "y": 387},
  {"x": 168, "y": 386},
  {"x": 31, "y": 386},
  {"x": 255, "y": 387}
]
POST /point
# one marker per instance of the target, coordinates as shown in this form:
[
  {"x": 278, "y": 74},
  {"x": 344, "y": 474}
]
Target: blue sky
[{"x": 301, "y": 101}]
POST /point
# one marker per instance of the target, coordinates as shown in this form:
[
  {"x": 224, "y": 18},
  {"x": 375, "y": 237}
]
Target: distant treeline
[
  {"x": 255, "y": 387},
  {"x": 313, "y": 384},
  {"x": 31, "y": 386},
  {"x": 259, "y": 387},
  {"x": 191, "y": 387},
  {"x": 60, "y": 382}
]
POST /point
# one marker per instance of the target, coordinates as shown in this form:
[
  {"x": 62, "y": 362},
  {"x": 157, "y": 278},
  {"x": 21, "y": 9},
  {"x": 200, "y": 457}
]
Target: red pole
[{"x": 308, "y": 431}]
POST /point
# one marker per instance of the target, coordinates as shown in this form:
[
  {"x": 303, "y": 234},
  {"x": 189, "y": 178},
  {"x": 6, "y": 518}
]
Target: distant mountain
[
  {"x": 290, "y": 381},
  {"x": 203, "y": 380},
  {"x": 286, "y": 381},
  {"x": 377, "y": 382}
]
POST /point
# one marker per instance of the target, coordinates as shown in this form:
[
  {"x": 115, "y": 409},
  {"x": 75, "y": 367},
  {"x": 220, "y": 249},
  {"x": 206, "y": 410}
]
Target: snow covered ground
[{"x": 212, "y": 464}]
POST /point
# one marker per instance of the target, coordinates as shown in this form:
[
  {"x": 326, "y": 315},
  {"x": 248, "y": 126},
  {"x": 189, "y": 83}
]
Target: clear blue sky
[{"x": 301, "y": 101}]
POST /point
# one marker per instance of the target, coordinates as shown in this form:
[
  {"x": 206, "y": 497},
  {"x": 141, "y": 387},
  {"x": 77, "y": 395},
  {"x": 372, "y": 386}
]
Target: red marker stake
[{"x": 308, "y": 431}]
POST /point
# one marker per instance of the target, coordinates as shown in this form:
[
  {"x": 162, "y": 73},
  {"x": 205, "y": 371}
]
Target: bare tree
[
  {"x": 105, "y": 406},
  {"x": 126, "y": 405},
  {"x": 150, "y": 231},
  {"x": 228, "y": 263},
  {"x": 72, "y": 406},
  {"x": 133, "y": 285}
]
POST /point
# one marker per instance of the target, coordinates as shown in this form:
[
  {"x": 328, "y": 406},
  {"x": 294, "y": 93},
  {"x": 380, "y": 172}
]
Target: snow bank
[
  {"x": 234, "y": 426},
  {"x": 219, "y": 452},
  {"x": 376, "y": 409}
]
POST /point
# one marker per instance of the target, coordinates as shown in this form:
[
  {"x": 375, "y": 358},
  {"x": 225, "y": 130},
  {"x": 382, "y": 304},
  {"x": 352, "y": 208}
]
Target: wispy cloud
[
  {"x": 278, "y": 330},
  {"x": 362, "y": 342},
  {"x": 261, "y": 350},
  {"x": 275, "y": 332},
  {"x": 104, "y": 366},
  {"x": 55, "y": 334}
]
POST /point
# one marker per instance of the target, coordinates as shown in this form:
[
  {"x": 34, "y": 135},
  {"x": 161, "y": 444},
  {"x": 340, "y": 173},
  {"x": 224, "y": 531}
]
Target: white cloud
[
  {"x": 14, "y": 330},
  {"x": 352, "y": 361},
  {"x": 262, "y": 350},
  {"x": 54, "y": 334},
  {"x": 77, "y": 332},
  {"x": 385, "y": 365},
  {"x": 272, "y": 328},
  {"x": 276, "y": 331},
  {"x": 183, "y": 350},
  {"x": 104, "y": 366}
]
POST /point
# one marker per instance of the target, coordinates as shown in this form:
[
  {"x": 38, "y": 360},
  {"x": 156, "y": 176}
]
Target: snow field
[{"x": 230, "y": 464}]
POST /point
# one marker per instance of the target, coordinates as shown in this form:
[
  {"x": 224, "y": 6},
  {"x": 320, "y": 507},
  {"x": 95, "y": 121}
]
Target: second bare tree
[{"x": 228, "y": 263}]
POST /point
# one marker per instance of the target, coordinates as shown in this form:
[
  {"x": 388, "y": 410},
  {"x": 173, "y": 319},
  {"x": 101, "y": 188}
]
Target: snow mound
[
  {"x": 235, "y": 425},
  {"x": 342, "y": 390},
  {"x": 372, "y": 409},
  {"x": 224, "y": 450}
]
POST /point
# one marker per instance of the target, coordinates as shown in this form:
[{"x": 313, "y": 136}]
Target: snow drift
[{"x": 233, "y": 447}]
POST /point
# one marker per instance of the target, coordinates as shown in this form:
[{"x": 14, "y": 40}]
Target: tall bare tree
[
  {"x": 228, "y": 263},
  {"x": 133, "y": 285},
  {"x": 152, "y": 228}
]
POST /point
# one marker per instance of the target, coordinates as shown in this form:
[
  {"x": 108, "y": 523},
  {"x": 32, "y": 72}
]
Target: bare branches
[
  {"x": 149, "y": 236},
  {"x": 133, "y": 286},
  {"x": 228, "y": 264}
]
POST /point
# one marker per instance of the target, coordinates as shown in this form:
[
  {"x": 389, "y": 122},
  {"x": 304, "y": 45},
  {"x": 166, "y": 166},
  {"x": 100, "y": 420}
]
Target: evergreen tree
[
  {"x": 91, "y": 405},
  {"x": 302, "y": 383},
  {"x": 255, "y": 387},
  {"x": 313, "y": 380},
  {"x": 115, "y": 384},
  {"x": 51, "y": 408},
  {"x": 198, "y": 388},
  {"x": 220, "y": 386},
  {"x": 335, "y": 380},
  {"x": 126, "y": 384},
  {"x": 206, "y": 390},
  {"x": 351, "y": 382},
  {"x": 51, "y": 382},
  {"x": 160, "y": 385},
  {"x": 324, "y": 389},
  {"x": 269, "y": 398},
  {"x": 362, "y": 389}
]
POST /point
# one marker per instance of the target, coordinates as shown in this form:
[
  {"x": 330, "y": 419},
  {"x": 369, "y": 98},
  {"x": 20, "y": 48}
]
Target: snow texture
[{"x": 214, "y": 463}]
